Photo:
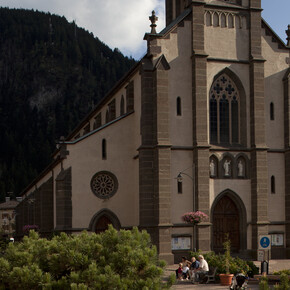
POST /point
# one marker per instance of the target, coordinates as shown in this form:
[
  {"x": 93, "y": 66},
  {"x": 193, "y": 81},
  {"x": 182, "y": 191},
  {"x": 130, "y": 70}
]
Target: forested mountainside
[{"x": 52, "y": 73}]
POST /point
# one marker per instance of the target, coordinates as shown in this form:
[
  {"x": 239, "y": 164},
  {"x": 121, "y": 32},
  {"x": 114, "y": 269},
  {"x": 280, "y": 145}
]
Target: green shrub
[
  {"x": 286, "y": 271},
  {"x": 236, "y": 265},
  {"x": 263, "y": 284},
  {"x": 110, "y": 260}
]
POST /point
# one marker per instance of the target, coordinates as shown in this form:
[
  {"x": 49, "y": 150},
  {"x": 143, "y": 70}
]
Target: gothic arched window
[{"x": 224, "y": 107}]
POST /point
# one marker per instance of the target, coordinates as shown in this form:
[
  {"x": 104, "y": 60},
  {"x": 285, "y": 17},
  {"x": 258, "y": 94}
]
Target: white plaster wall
[
  {"x": 177, "y": 51},
  {"x": 227, "y": 43},
  {"x": 275, "y": 69},
  {"x": 276, "y": 202},
  {"x": 85, "y": 158}
]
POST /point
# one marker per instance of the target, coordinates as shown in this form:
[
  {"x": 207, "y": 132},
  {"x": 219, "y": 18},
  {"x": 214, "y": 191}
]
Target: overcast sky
[{"x": 123, "y": 23}]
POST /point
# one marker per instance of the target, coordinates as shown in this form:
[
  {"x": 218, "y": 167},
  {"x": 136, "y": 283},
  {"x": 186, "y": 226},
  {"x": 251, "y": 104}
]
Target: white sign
[
  {"x": 261, "y": 255},
  {"x": 264, "y": 242},
  {"x": 277, "y": 240},
  {"x": 181, "y": 243}
]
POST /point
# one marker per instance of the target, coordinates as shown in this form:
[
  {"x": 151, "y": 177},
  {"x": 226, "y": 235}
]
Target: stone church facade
[{"x": 210, "y": 102}]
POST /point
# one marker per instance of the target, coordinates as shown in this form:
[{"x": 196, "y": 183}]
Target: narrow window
[
  {"x": 104, "y": 149},
  {"x": 224, "y": 120},
  {"x": 122, "y": 106},
  {"x": 272, "y": 114},
  {"x": 107, "y": 116},
  {"x": 178, "y": 106},
  {"x": 213, "y": 120},
  {"x": 235, "y": 121},
  {"x": 179, "y": 186},
  {"x": 273, "y": 187}
]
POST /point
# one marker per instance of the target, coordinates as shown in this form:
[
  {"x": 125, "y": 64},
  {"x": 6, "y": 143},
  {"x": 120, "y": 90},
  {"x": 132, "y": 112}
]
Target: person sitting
[
  {"x": 185, "y": 270},
  {"x": 193, "y": 268},
  {"x": 202, "y": 269},
  {"x": 183, "y": 262}
]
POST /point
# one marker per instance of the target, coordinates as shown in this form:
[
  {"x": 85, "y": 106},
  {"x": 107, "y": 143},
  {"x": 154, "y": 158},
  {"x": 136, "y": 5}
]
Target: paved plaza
[{"x": 274, "y": 265}]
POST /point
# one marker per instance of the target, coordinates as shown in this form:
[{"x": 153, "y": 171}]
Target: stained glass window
[{"x": 224, "y": 115}]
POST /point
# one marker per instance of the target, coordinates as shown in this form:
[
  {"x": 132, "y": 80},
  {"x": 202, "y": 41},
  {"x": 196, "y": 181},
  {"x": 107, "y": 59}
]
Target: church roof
[
  {"x": 275, "y": 36},
  {"x": 173, "y": 24},
  {"x": 11, "y": 204}
]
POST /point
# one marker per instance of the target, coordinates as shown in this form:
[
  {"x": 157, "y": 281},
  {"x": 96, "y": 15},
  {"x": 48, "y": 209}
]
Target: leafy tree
[{"x": 110, "y": 260}]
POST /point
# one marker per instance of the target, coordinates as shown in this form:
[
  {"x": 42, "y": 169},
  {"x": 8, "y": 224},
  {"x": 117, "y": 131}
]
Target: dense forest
[{"x": 52, "y": 73}]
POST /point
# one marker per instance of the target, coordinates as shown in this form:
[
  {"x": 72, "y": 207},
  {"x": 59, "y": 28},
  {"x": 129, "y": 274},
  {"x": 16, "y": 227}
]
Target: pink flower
[{"x": 194, "y": 217}]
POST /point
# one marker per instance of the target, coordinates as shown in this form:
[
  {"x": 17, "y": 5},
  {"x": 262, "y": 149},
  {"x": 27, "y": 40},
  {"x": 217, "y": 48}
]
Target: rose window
[{"x": 104, "y": 184}]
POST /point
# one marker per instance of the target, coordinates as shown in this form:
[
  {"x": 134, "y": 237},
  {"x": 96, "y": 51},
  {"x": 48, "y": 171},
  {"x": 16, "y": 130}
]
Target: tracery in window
[
  {"x": 224, "y": 111},
  {"x": 104, "y": 184}
]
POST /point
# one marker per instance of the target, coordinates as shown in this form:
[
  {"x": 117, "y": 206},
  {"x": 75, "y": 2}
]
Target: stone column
[
  {"x": 154, "y": 157},
  {"x": 287, "y": 156},
  {"x": 259, "y": 163},
  {"x": 200, "y": 127}
]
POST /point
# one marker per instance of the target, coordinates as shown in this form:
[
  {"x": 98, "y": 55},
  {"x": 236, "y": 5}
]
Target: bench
[{"x": 211, "y": 275}]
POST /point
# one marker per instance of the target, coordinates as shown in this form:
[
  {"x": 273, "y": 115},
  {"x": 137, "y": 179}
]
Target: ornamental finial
[
  {"x": 153, "y": 18},
  {"x": 288, "y": 34}
]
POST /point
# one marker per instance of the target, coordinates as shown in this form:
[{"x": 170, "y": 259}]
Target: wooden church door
[
  {"x": 102, "y": 224},
  {"x": 226, "y": 220}
]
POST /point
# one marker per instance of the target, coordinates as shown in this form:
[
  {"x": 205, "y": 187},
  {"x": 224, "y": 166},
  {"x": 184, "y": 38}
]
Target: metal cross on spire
[{"x": 153, "y": 18}]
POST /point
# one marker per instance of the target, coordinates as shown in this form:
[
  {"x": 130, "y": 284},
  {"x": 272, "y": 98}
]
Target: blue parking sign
[{"x": 265, "y": 242}]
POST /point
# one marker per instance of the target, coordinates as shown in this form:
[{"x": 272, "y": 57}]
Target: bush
[
  {"x": 110, "y": 260},
  {"x": 236, "y": 265},
  {"x": 263, "y": 284},
  {"x": 286, "y": 271}
]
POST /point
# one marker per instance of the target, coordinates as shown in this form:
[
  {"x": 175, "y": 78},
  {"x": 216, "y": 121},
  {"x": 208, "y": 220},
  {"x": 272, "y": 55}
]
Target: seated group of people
[{"x": 194, "y": 270}]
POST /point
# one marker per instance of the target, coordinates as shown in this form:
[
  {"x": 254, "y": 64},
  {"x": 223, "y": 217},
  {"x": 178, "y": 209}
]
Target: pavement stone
[{"x": 274, "y": 265}]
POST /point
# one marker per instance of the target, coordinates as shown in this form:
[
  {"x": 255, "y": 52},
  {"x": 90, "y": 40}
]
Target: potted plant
[
  {"x": 226, "y": 278},
  {"x": 194, "y": 217}
]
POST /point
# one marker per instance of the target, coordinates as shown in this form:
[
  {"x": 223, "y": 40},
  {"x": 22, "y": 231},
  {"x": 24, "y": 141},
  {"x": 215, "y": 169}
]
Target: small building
[
  {"x": 7, "y": 216},
  {"x": 210, "y": 101}
]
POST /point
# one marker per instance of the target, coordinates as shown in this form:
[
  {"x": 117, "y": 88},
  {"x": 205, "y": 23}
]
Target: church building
[{"x": 202, "y": 122}]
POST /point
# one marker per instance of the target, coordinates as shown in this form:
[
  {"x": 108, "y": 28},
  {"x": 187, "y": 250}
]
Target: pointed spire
[
  {"x": 153, "y": 18},
  {"x": 288, "y": 34}
]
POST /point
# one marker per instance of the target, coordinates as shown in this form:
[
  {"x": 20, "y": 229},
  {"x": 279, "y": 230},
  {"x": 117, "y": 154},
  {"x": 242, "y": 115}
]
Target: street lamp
[{"x": 180, "y": 179}]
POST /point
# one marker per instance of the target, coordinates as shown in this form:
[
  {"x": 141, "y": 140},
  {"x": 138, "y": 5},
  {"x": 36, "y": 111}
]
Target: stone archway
[
  {"x": 101, "y": 221},
  {"x": 229, "y": 216}
]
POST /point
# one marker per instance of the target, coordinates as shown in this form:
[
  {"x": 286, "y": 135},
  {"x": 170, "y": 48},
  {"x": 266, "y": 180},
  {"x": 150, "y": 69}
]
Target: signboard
[
  {"x": 264, "y": 242},
  {"x": 277, "y": 240},
  {"x": 261, "y": 255},
  {"x": 181, "y": 243}
]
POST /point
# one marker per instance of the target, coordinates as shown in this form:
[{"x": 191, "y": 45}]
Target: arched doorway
[
  {"x": 101, "y": 221},
  {"x": 226, "y": 219},
  {"x": 102, "y": 224}
]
